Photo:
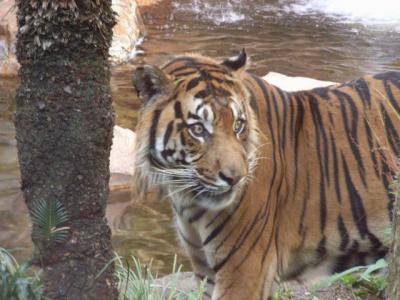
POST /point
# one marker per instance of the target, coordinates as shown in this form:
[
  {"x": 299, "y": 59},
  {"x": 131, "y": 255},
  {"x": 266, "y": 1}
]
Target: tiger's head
[{"x": 197, "y": 134}]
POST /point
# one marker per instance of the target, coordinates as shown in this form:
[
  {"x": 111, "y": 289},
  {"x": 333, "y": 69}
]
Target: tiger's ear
[
  {"x": 151, "y": 82},
  {"x": 237, "y": 63}
]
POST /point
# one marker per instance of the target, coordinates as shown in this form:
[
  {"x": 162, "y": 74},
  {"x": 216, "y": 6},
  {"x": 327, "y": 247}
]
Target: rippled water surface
[{"x": 322, "y": 39}]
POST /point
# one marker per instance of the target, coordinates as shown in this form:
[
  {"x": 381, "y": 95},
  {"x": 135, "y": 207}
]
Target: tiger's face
[{"x": 197, "y": 133}]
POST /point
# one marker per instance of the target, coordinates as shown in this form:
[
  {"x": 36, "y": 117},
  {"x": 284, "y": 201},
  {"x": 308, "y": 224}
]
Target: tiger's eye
[
  {"x": 238, "y": 125},
  {"x": 197, "y": 129}
]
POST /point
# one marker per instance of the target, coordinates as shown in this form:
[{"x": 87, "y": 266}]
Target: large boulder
[{"x": 127, "y": 32}]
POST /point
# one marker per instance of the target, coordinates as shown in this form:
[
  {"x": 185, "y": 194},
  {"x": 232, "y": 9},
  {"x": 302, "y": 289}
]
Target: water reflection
[{"x": 278, "y": 37}]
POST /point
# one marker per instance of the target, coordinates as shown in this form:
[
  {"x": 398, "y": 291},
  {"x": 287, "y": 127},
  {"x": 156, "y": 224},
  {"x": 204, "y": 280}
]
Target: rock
[
  {"x": 127, "y": 32},
  {"x": 8, "y": 29},
  {"x": 122, "y": 157},
  {"x": 293, "y": 84},
  {"x": 183, "y": 281},
  {"x": 155, "y": 9},
  {"x": 142, "y": 3}
]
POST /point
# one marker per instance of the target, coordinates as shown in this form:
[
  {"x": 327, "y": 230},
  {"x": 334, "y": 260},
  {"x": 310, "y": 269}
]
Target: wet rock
[
  {"x": 8, "y": 29},
  {"x": 122, "y": 157},
  {"x": 292, "y": 84},
  {"x": 126, "y": 33},
  {"x": 154, "y": 9}
]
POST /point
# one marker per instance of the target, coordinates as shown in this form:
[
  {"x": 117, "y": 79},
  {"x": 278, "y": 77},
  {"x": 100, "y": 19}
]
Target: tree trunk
[
  {"x": 393, "y": 290},
  {"x": 64, "y": 122}
]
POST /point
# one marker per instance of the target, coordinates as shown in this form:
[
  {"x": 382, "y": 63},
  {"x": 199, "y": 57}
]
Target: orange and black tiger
[{"x": 267, "y": 184}]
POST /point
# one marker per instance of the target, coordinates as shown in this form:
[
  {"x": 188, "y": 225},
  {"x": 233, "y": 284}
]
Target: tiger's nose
[{"x": 230, "y": 177}]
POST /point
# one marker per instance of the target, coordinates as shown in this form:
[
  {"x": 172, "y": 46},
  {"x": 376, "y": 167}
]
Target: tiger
[{"x": 267, "y": 185}]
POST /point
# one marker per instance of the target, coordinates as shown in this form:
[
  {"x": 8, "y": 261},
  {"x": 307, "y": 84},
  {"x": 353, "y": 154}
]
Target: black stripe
[
  {"x": 217, "y": 230},
  {"x": 186, "y": 59},
  {"x": 357, "y": 207},
  {"x": 168, "y": 132},
  {"x": 351, "y": 133},
  {"x": 238, "y": 244},
  {"x": 183, "y": 141},
  {"x": 284, "y": 101},
  {"x": 233, "y": 228},
  {"x": 371, "y": 147},
  {"x": 178, "y": 110},
  {"x": 193, "y": 83},
  {"x": 391, "y": 132},
  {"x": 387, "y": 178},
  {"x": 344, "y": 234},
  {"x": 291, "y": 114},
  {"x": 391, "y": 97},
  {"x": 391, "y": 75},
  {"x": 253, "y": 101},
  {"x": 184, "y": 74},
  {"x": 298, "y": 129},
  {"x": 302, "y": 227},
  {"x": 320, "y": 129},
  {"x": 153, "y": 128},
  {"x": 166, "y": 153},
  {"x": 197, "y": 215},
  {"x": 193, "y": 116},
  {"x": 336, "y": 169},
  {"x": 202, "y": 94},
  {"x": 240, "y": 240},
  {"x": 218, "y": 215},
  {"x": 362, "y": 89},
  {"x": 321, "y": 249}
]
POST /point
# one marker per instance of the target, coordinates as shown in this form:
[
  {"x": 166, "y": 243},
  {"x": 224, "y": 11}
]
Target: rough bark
[
  {"x": 64, "y": 122},
  {"x": 393, "y": 290}
]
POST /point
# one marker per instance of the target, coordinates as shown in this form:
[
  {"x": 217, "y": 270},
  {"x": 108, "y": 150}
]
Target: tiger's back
[
  {"x": 339, "y": 151},
  {"x": 264, "y": 183}
]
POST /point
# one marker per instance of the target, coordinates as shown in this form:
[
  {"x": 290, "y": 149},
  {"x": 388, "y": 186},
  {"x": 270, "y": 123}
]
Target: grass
[
  {"x": 362, "y": 280},
  {"x": 139, "y": 283},
  {"x": 15, "y": 283},
  {"x": 136, "y": 281}
]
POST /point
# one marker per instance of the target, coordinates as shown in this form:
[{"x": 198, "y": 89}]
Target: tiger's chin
[{"x": 214, "y": 199}]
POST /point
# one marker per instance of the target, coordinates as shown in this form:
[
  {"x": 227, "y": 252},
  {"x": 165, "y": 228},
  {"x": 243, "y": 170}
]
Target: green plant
[
  {"x": 137, "y": 282},
  {"x": 363, "y": 279},
  {"x": 48, "y": 219},
  {"x": 15, "y": 283}
]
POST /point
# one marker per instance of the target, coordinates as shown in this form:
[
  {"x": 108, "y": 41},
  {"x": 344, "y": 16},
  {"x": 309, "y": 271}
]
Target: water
[
  {"x": 321, "y": 39},
  {"x": 369, "y": 12}
]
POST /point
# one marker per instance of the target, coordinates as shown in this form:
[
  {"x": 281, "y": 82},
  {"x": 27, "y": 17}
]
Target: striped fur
[{"x": 308, "y": 184}]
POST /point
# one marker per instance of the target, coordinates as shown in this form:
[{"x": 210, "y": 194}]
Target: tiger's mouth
[{"x": 202, "y": 191}]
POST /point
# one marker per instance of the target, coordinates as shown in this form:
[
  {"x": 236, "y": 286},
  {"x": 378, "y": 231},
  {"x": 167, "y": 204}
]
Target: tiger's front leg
[{"x": 246, "y": 278}]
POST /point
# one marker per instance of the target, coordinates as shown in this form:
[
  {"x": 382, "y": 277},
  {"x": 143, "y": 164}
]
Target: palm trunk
[
  {"x": 64, "y": 122},
  {"x": 393, "y": 290}
]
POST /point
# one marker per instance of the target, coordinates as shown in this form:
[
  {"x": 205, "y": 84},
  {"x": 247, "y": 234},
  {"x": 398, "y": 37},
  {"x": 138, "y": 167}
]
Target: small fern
[{"x": 49, "y": 218}]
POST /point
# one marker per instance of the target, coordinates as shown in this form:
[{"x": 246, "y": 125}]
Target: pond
[{"x": 327, "y": 40}]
